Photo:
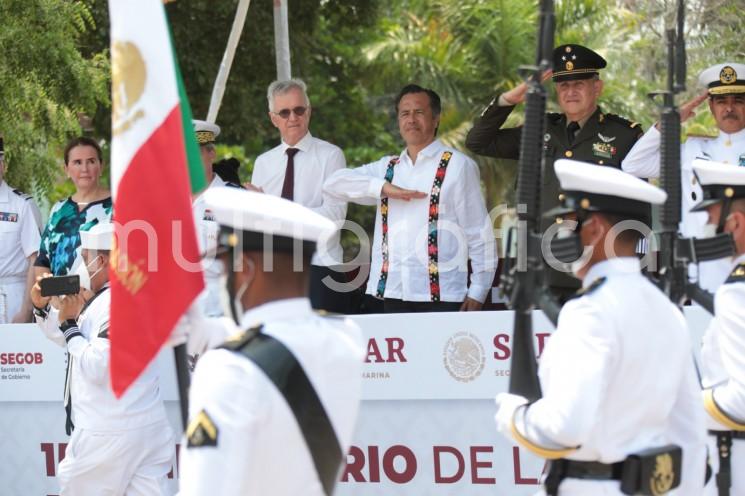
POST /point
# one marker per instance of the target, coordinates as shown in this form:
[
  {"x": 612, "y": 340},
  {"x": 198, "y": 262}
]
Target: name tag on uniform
[{"x": 8, "y": 217}]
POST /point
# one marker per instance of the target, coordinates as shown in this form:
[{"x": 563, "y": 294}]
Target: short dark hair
[
  {"x": 434, "y": 99},
  {"x": 83, "y": 141}
]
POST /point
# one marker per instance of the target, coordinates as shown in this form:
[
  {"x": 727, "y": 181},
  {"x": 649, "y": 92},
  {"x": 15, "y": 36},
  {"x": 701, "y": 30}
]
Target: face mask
[
  {"x": 236, "y": 307},
  {"x": 708, "y": 231},
  {"x": 85, "y": 275}
]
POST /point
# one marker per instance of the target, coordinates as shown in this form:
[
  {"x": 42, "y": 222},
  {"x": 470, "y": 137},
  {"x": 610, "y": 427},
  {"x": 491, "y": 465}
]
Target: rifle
[
  {"x": 676, "y": 252},
  {"x": 525, "y": 283}
]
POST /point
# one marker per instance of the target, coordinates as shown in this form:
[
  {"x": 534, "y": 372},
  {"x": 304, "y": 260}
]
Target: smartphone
[{"x": 60, "y": 285}]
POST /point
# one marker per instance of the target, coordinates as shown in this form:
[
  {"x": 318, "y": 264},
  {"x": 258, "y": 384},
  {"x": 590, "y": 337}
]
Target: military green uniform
[{"x": 605, "y": 139}]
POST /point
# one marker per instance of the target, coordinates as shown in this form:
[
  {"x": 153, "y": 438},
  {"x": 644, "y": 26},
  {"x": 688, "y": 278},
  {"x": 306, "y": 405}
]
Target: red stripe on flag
[{"x": 145, "y": 305}]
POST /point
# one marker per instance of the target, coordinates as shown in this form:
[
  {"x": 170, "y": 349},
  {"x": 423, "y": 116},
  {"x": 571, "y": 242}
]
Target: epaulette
[
  {"x": 553, "y": 116},
  {"x": 621, "y": 120},
  {"x": 329, "y": 315},
  {"x": 737, "y": 275},
  {"x": 589, "y": 289},
  {"x": 699, "y": 135},
  {"x": 22, "y": 194},
  {"x": 240, "y": 339}
]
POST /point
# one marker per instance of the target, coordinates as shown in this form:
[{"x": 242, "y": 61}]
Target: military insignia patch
[
  {"x": 8, "y": 217},
  {"x": 605, "y": 150},
  {"x": 727, "y": 75},
  {"x": 606, "y": 139},
  {"x": 737, "y": 275},
  {"x": 208, "y": 215},
  {"x": 570, "y": 65},
  {"x": 202, "y": 431}
]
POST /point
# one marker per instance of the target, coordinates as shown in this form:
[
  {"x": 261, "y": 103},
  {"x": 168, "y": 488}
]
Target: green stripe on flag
[{"x": 193, "y": 157}]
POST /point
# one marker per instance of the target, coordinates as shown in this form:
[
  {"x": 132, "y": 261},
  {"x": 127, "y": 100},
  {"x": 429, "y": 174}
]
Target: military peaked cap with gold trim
[
  {"x": 576, "y": 62},
  {"x": 724, "y": 79},
  {"x": 206, "y": 132}
]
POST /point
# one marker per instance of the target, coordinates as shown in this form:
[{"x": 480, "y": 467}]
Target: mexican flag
[{"x": 155, "y": 271}]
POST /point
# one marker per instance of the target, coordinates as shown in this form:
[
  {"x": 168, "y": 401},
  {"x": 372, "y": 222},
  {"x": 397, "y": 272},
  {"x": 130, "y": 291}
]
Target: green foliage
[{"x": 45, "y": 84}]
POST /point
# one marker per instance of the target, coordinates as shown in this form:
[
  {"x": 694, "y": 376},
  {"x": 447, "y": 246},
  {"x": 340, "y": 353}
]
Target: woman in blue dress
[{"x": 59, "y": 252}]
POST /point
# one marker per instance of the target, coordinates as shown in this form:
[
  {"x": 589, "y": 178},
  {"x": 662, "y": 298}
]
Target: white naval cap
[
  {"x": 98, "y": 237},
  {"x": 718, "y": 181},
  {"x": 599, "y": 188},
  {"x": 724, "y": 79},
  {"x": 256, "y": 215},
  {"x": 206, "y": 131}
]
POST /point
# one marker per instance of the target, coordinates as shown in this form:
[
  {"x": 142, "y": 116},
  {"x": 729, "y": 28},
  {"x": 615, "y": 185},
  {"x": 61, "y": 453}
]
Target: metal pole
[
  {"x": 227, "y": 60},
  {"x": 282, "y": 40}
]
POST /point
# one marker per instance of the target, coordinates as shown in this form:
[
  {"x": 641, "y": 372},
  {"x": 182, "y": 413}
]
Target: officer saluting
[
  {"x": 273, "y": 411},
  {"x": 609, "y": 397},
  {"x": 723, "y": 351},
  {"x": 581, "y": 132}
]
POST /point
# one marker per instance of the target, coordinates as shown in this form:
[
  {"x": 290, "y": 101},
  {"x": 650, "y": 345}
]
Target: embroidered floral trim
[{"x": 384, "y": 231}]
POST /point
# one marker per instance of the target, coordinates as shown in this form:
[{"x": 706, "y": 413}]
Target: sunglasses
[{"x": 285, "y": 113}]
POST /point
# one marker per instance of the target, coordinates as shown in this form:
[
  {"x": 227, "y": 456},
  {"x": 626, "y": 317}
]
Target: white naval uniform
[
  {"x": 644, "y": 161},
  {"x": 260, "y": 448},
  {"x": 315, "y": 163},
  {"x": 119, "y": 446},
  {"x": 20, "y": 236},
  {"x": 464, "y": 228},
  {"x": 723, "y": 370},
  {"x": 618, "y": 377},
  {"x": 207, "y": 232}
]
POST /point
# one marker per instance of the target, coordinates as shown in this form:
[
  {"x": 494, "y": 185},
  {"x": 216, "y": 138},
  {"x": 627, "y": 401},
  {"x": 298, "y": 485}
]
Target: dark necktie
[
  {"x": 572, "y": 129},
  {"x": 288, "y": 185}
]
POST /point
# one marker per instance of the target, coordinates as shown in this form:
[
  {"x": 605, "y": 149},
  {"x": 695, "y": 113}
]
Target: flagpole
[
  {"x": 218, "y": 90},
  {"x": 282, "y": 40},
  {"x": 183, "y": 380}
]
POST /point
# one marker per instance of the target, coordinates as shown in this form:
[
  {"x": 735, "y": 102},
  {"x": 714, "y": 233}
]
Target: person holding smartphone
[{"x": 118, "y": 446}]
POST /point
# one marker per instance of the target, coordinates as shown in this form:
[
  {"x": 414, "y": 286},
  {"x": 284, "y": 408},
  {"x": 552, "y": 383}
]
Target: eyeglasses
[{"x": 285, "y": 113}]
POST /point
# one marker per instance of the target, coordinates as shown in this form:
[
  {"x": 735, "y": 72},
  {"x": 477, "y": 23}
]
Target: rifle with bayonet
[
  {"x": 676, "y": 252},
  {"x": 524, "y": 283}
]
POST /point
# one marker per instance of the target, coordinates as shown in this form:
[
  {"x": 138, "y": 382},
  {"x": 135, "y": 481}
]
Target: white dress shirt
[
  {"x": 94, "y": 406},
  {"x": 20, "y": 223},
  {"x": 644, "y": 161},
  {"x": 606, "y": 387},
  {"x": 314, "y": 163},
  {"x": 464, "y": 228},
  {"x": 260, "y": 447}
]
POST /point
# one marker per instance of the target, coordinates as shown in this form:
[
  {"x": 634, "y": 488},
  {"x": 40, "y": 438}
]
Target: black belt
[
  {"x": 724, "y": 448},
  {"x": 562, "y": 469}
]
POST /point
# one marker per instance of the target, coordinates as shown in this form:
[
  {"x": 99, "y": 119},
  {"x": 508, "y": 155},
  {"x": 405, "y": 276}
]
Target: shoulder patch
[
  {"x": 22, "y": 194},
  {"x": 237, "y": 341},
  {"x": 699, "y": 136},
  {"x": 589, "y": 289},
  {"x": 737, "y": 275},
  {"x": 201, "y": 431},
  {"x": 329, "y": 315},
  {"x": 621, "y": 120}
]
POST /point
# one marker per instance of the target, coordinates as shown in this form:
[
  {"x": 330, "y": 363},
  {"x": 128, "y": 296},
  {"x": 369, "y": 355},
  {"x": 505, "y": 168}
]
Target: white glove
[{"x": 506, "y": 405}]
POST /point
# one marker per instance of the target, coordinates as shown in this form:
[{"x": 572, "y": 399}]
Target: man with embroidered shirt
[
  {"x": 723, "y": 349},
  {"x": 606, "y": 394},
  {"x": 118, "y": 446},
  {"x": 725, "y": 91},
  {"x": 209, "y": 300},
  {"x": 431, "y": 218},
  {"x": 296, "y": 169},
  {"x": 272, "y": 412},
  {"x": 19, "y": 243}
]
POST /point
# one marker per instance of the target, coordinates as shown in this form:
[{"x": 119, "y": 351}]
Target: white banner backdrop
[{"x": 425, "y": 427}]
